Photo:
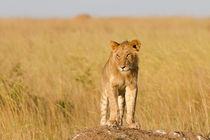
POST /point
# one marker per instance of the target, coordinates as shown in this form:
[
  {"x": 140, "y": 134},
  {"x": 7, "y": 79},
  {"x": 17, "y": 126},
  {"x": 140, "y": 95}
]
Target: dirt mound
[
  {"x": 82, "y": 17},
  {"x": 105, "y": 133}
]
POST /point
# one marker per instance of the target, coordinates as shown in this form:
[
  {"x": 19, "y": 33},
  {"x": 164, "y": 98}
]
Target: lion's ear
[
  {"x": 114, "y": 45},
  {"x": 135, "y": 44}
]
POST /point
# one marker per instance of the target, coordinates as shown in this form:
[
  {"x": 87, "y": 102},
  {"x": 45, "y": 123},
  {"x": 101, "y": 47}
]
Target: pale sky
[{"x": 70, "y": 8}]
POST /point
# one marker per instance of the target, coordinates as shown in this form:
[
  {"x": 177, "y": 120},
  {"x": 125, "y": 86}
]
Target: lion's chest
[{"x": 120, "y": 83}]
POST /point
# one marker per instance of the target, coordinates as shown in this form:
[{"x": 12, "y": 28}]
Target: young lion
[{"x": 119, "y": 84}]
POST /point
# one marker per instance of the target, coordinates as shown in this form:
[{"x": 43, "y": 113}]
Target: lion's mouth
[{"x": 124, "y": 69}]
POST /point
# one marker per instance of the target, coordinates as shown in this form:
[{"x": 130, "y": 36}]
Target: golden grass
[{"x": 50, "y": 73}]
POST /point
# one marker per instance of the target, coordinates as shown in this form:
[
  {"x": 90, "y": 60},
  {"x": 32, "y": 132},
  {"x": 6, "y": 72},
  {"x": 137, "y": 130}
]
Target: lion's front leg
[
  {"x": 130, "y": 96},
  {"x": 114, "y": 109}
]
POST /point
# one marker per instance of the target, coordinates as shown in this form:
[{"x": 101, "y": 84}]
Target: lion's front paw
[
  {"x": 135, "y": 125},
  {"x": 112, "y": 123}
]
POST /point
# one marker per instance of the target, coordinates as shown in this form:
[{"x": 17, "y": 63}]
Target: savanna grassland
[{"x": 50, "y": 74}]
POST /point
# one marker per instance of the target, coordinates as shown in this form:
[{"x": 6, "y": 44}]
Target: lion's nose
[{"x": 122, "y": 67}]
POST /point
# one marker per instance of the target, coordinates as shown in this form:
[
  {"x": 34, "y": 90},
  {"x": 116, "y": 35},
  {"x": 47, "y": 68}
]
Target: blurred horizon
[{"x": 108, "y": 8}]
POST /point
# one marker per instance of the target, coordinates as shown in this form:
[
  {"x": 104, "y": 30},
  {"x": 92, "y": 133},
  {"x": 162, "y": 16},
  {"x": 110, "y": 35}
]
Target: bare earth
[{"x": 105, "y": 133}]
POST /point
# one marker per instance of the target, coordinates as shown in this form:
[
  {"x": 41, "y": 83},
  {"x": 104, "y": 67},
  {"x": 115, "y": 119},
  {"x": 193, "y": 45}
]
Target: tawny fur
[{"x": 119, "y": 84}]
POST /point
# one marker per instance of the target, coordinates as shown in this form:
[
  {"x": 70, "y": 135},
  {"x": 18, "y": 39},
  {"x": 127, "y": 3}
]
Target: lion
[{"x": 119, "y": 84}]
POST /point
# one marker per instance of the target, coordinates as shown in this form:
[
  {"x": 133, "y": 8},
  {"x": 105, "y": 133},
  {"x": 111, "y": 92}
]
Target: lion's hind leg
[{"x": 121, "y": 104}]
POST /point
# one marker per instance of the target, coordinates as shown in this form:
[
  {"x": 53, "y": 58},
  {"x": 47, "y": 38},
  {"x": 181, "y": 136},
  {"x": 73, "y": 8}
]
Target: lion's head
[{"x": 125, "y": 55}]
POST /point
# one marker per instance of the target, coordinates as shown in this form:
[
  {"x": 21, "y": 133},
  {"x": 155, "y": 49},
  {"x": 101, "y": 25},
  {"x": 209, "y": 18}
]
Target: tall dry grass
[{"x": 50, "y": 73}]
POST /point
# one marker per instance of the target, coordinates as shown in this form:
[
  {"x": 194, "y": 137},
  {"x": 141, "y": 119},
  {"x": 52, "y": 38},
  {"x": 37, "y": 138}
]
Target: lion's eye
[
  {"x": 128, "y": 55},
  {"x": 118, "y": 57}
]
